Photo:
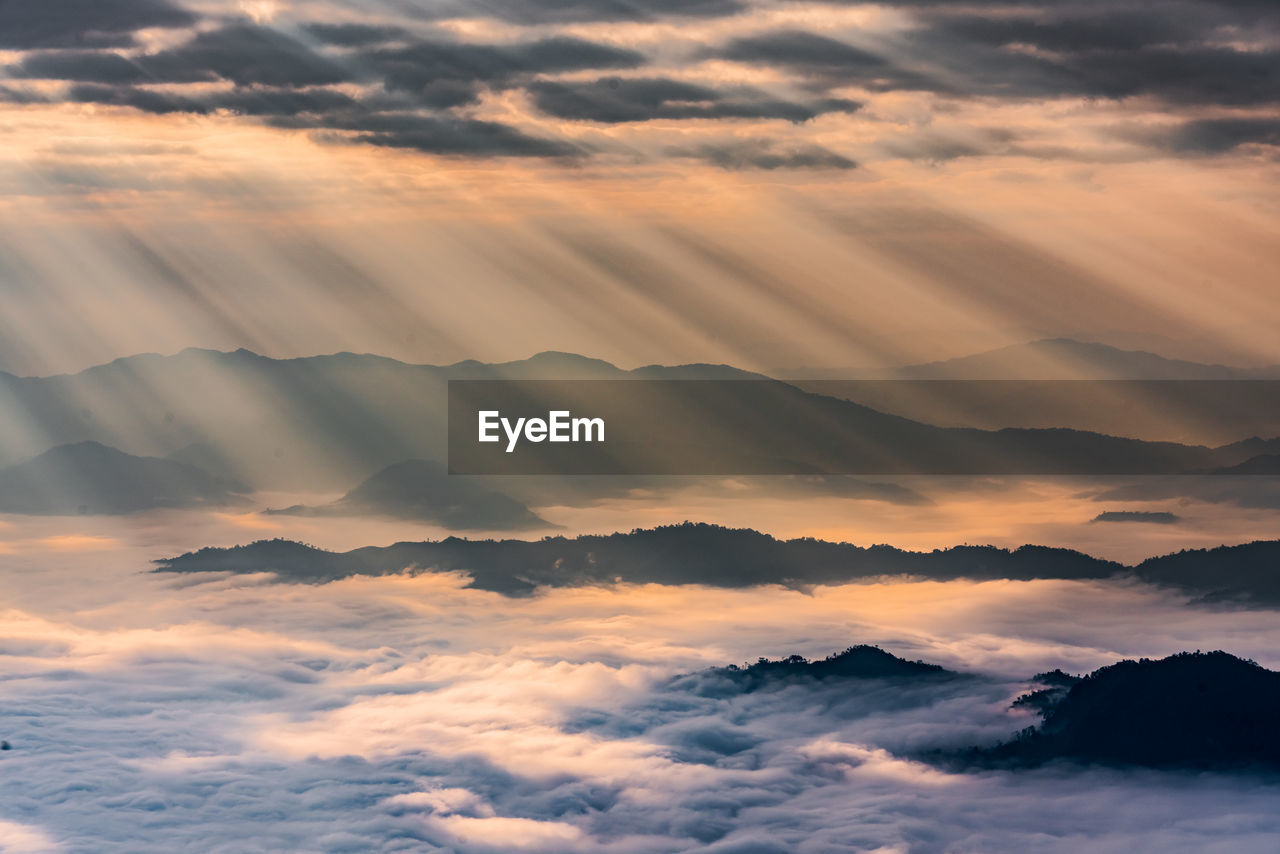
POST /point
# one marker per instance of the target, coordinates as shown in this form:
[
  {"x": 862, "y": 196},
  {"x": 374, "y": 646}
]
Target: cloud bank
[
  {"x": 544, "y": 78},
  {"x": 410, "y": 713}
]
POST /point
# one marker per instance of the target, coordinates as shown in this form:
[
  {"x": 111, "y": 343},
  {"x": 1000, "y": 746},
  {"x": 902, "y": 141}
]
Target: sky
[
  {"x": 775, "y": 184},
  {"x": 769, "y": 183}
]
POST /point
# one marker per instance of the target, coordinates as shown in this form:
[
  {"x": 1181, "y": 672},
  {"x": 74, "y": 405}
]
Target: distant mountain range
[
  {"x": 426, "y": 492},
  {"x": 1068, "y": 359},
  {"x": 1064, "y": 383},
  {"x": 326, "y": 423},
  {"x": 733, "y": 557},
  {"x": 90, "y": 478},
  {"x": 322, "y": 422}
]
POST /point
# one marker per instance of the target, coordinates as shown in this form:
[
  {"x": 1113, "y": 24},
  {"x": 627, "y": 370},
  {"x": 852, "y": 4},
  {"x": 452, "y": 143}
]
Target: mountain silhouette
[
  {"x": 1055, "y": 684},
  {"x": 1190, "y": 710},
  {"x": 425, "y": 491},
  {"x": 91, "y": 478},
  {"x": 326, "y": 422},
  {"x": 857, "y": 662},
  {"x": 1245, "y": 573},
  {"x": 1067, "y": 358},
  {"x": 675, "y": 554},
  {"x": 698, "y": 553},
  {"x": 1266, "y": 464}
]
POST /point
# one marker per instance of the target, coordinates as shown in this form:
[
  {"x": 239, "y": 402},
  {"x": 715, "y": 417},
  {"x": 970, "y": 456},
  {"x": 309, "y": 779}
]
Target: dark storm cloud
[
  {"x": 286, "y": 81},
  {"x": 1120, "y": 30},
  {"x": 615, "y": 100},
  {"x": 802, "y": 50},
  {"x": 25, "y": 24},
  {"x": 93, "y": 66},
  {"x": 246, "y": 55},
  {"x": 242, "y": 54},
  {"x": 1056, "y": 51},
  {"x": 356, "y": 35},
  {"x": 426, "y": 64},
  {"x": 1217, "y": 136},
  {"x": 1014, "y": 51},
  {"x": 146, "y": 100},
  {"x": 1196, "y": 75},
  {"x": 573, "y": 11},
  {"x": 250, "y": 102},
  {"x": 762, "y": 154},
  {"x": 834, "y": 62},
  {"x": 1104, "y": 56},
  {"x": 448, "y": 135}
]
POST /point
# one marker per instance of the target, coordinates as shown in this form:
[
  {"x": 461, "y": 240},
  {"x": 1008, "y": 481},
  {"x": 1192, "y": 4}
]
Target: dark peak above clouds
[
  {"x": 857, "y": 662},
  {"x": 677, "y": 554},
  {"x": 1190, "y": 710},
  {"x": 737, "y": 558}
]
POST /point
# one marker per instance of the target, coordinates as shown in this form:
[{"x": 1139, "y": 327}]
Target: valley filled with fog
[{"x": 151, "y": 711}]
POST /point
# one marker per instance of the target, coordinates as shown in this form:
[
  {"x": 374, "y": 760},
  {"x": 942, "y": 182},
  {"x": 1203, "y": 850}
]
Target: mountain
[
  {"x": 675, "y": 554},
  {"x": 326, "y": 422},
  {"x": 319, "y": 422},
  {"x": 737, "y": 557},
  {"x": 1054, "y": 686},
  {"x": 424, "y": 491},
  {"x": 1071, "y": 384},
  {"x": 856, "y": 662},
  {"x": 1190, "y": 710},
  {"x": 1249, "y": 572},
  {"x": 91, "y": 478},
  {"x": 1066, "y": 358},
  {"x": 1268, "y": 464}
]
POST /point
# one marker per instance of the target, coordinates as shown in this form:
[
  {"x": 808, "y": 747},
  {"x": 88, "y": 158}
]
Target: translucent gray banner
[{"x": 752, "y": 427}]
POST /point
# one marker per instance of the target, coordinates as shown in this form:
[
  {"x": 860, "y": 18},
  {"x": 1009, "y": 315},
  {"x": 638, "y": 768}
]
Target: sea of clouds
[{"x": 149, "y": 712}]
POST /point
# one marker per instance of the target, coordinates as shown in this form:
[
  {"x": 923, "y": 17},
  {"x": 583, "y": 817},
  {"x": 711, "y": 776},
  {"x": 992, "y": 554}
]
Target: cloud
[
  {"x": 1215, "y": 136},
  {"x": 10, "y": 95},
  {"x": 572, "y": 11},
  {"x": 765, "y": 155},
  {"x": 422, "y": 64},
  {"x": 1156, "y": 517},
  {"x": 356, "y": 35},
  {"x": 616, "y": 100},
  {"x": 243, "y": 54},
  {"x": 447, "y": 135},
  {"x": 389, "y": 714},
  {"x": 247, "y": 54},
  {"x": 76, "y": 23},
  {"x": 346, "y": 73}
]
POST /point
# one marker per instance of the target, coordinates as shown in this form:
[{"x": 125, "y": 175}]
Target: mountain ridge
[{"x": 717, "y": 556}]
